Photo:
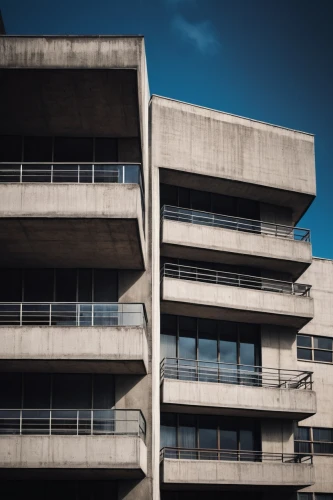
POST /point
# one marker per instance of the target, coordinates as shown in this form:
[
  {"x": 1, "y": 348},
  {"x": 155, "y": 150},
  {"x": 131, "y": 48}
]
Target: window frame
[
  {"x": 311, "y": 442},
  {"x": 312, "y": 349}
]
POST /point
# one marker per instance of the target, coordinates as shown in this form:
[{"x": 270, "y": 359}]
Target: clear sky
[{"x": 271, "y": 60}]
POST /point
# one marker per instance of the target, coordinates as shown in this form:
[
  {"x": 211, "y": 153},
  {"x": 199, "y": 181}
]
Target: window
[
  {"x": 314, "y": 348},
  {"x": 208, "y": 432},
  {"x": 315, "y": 496},
  {"x": 315, "y": 440}
]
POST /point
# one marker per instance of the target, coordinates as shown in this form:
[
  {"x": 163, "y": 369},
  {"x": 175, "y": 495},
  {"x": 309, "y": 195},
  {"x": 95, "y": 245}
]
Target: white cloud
[{"x": 202, "y": 34}]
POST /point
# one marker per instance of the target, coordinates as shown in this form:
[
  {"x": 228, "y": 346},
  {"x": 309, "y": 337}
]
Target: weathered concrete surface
[
  {"x": 241, "y": 400},
  {"x": 111, "y": 453},
  {"x": 71, "y": 225},
  {"x": 320, "y": 275},
  {"x": 208, "y": 300},
  {"x": 215, "y": 244},
  {"x": 117, "y": 349},
  {"x": 233, "y": 155},
  {"x": 323, "y": 466},
  {"x": 214, "y": 472}
]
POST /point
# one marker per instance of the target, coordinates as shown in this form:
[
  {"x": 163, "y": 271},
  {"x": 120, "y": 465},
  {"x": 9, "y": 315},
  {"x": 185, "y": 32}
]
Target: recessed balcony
[
  {"x": 203, "y": 387},
  {"x": 234, "y": 470},
  {"x": 74, "y": 337},
  {"x": 72, "y": 215},
  {"x": 207, "y": 293},
  {"x": 65, "y": 444},
  {"x": 195, "y": 235}
]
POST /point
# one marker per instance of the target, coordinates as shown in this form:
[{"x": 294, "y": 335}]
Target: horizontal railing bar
[
  {"x": 69, "y": 163},
  {"x": 166, "y": 208},
  {"x": 235, "y": 364}
]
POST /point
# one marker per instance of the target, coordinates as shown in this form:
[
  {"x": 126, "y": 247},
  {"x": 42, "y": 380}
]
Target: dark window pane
[
  {"x": 228, "y": 439},
  {"x": 207, "y": 432},
  {"x": 302, "y": 433},
  {"x": 73, "y": 149},
  {"x": 10, "y": 390},
  {"x": 187, "y": 431},
  {"x": 303, "y": 341},
  {"x": 247, "y": 354},
  {"x": 106, "y": 149},
  {"x": 168, "y": 430},
  {"x": 322, "y": 343},
  {"x": 66, "y": 285},
  {"x": 187, "y": 338},
  {"x": 248, "y": 209},
  {"x": 105, "y": 285},
  {"x": 207, "y": 343},
  {"x": 38, "y": 285},
  {"x": 325, "y": 356},
  {"x": 325, "y": 448},
  {"x": 38, "y": 149},
  {"x": 85, "y": 285},
  {"x": 304, "y": 354},
  {"x": 223, "y": 205},
  {"x": 304, "y": 496},
  {"x": 246, "y": 439},
  {"x": 302, "y": 447},
  {"x": 169, "y": 195},
  {"x": 37, "y": 390},
  {"x": 10, "y": 148},
  {"x": 228, "y": 351},
  {"x": 72, "y": 391},
  {"x": 322, "y": 434},
  {"x": 200, "y": 200},
  {"x": 103, "y": 390},
  {"x": 184, "y": 198},
  {"x": 10, "y": 285},
  {"x": 168, "y": 346},
  {"x": 169, "y": 324}
]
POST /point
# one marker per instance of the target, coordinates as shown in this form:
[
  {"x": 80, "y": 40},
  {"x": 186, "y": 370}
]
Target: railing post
[
  {"x": 91, "y": 422},
  {"x": 77, "y": 422},
  {"x": 92, "y": 314},
  {"x": 93, "y": 174},
  {"x": 50, "y": 315},
  {"x": 51, "y": 173},
  {"x": 78, "y": 174},
  {"x": 21, "y": 173},
  {"x": 123, "y": 170},
  {"x": 292, "y": 289},
  {"x": 21, "y": 314},
  {"x": 50, "y": 420},
  {"x": 21, "y": 422}
]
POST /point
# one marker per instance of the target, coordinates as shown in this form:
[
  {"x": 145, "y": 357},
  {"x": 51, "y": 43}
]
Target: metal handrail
[
  {"x": 232, "y": 373},
  {"x": 233, "y": 279},
  {"x": 189, "y": 215},
  {"x": 72, "y": 314},
  {"x": 72, "y": 172},
  {"x": 72, "y": 422},
  {"x": 233, "y": 455}
]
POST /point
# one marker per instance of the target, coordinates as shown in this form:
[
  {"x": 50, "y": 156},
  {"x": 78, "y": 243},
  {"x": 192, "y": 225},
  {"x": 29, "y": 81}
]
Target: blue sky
[{"x": 270, "y": 60}]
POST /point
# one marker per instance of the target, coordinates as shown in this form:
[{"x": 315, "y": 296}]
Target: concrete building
[{"x": 165, "y": 332}]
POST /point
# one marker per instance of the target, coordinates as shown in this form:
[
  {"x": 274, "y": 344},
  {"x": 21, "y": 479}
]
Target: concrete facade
[{"x": 97, "y": 88}]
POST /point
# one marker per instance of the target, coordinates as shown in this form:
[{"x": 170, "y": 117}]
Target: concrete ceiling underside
[
  {"x": 71, "y": 243},
  {"x": 84, "y": 103}
]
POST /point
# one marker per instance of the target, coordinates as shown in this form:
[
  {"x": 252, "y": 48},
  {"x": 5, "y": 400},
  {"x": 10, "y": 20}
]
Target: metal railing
[
  {"x": 69, "y": 172},
  {"x": 72, "y": 422},
  {"x": 234, "y": 455},
  {"x": 233, "y": 279},
  {"x": 72, "y": 314},
  {"x": 235, "y": 223},
  {"x": 238, "y": 374}
]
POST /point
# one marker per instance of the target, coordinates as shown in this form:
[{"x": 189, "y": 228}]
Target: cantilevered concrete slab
[
  {"x": 221, "y": 474},
  {"x": 116, "y": 349},
  {"x": 213, "y": 151},
  {"x": 216, "y": 244},
  {"x": 237, "y": 400},
  {"x": 71, "y": 225},
  {"x": 208, "y": 300},
  {"x": 71, "y": 457}
]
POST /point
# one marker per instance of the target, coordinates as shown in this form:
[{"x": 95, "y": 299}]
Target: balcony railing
[
  {"x": 238, "y": 374},
  {"x": 234, "y": 279},
  {"x": 234, "y": 455},
  {"x": 91, "y": 173},
  {"x": 72, "y": 314},
  {"x": 235, "y": 223},
  {"x": 72, "y": 422}
]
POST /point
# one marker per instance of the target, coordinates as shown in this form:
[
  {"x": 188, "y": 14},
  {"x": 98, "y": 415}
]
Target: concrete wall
[
  {"x": 235, "y": 247},
  {"x": 209, "y": 143},
  {"x": 210, "y": 472},
  {"x": 235, "y": 303},
  {"x": 238, "y": 399},
  {"x": 75, "y": 452},
  {"x": 111, "y": 349}
]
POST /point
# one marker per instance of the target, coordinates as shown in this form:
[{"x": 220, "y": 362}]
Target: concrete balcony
[
  {"x": 69, "y": 444},
  {"x": 232, "y": 470},
  {"x": 73, "y": 337},
  {"x": 207, "y": 293},
  {"x": 69, "y": 215},
  {"x": 203, "y": 387},
  {"x": 194, "y": 235}
]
